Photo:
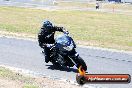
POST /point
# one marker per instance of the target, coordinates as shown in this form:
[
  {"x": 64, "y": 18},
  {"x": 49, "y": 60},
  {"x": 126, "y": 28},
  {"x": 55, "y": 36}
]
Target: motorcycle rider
[{"x": 46, "y": 37}]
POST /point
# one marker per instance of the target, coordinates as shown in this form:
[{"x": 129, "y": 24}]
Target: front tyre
[{"x": 80, "y": 62}]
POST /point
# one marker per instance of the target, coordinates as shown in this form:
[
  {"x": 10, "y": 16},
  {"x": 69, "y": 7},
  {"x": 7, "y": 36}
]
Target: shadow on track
[{"x": 52, "y": 67}]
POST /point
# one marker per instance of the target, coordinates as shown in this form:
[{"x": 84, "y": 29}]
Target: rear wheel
[{"x": 80, "y": 62}]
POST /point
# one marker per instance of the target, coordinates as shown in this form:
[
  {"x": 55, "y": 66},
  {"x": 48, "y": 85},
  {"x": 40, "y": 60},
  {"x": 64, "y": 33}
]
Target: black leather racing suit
[{"x": 46, "y": 36}]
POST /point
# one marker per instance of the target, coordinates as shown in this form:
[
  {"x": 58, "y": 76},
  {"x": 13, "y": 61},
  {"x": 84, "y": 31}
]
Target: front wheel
[{"x": 80, "y": 62}]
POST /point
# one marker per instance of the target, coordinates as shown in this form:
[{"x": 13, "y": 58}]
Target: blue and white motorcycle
[{"x": 63, "y": 53}]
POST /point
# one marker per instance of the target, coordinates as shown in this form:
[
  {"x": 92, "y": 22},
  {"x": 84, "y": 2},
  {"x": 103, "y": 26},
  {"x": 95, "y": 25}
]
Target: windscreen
[{"x": 63, "y": 39}]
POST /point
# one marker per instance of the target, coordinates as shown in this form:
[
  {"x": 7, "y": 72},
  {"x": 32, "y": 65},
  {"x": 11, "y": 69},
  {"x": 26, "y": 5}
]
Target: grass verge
[
  {"x": 9, "y": 79},
  {"x": 18, "y": 79},
  {"x": 93, "y": 28}
]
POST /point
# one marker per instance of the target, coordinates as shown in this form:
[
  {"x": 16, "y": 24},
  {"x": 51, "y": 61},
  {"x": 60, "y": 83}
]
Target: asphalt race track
[{"x": 27, "y": 54}]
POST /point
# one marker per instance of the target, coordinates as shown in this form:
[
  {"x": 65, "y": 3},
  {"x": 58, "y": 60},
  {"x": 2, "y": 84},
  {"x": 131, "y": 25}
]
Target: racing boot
[
  {"x": 47, "y": 54},
  {"x": 47, "y": 59}
]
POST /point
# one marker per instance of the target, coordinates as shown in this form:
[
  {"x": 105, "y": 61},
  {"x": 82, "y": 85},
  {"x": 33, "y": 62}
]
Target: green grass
[
  {"x": 97, "y": 29},
  {"x": 7, "y": 74}
]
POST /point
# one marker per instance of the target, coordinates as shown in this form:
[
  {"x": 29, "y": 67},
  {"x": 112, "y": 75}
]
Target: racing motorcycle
[{"x": 63, "y": 53}]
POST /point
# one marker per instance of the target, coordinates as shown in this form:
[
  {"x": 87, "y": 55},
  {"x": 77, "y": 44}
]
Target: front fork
[{"x": 74, "y": 58}]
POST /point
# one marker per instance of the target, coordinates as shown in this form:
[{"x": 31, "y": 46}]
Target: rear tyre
[{"x": 80, "y": 62}]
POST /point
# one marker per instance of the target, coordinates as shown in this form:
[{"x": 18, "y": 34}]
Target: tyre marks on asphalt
[{"x": 112, "y": 58}]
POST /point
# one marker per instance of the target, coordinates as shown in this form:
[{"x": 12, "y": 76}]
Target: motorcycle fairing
[{"x": 65, "y": 43}]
